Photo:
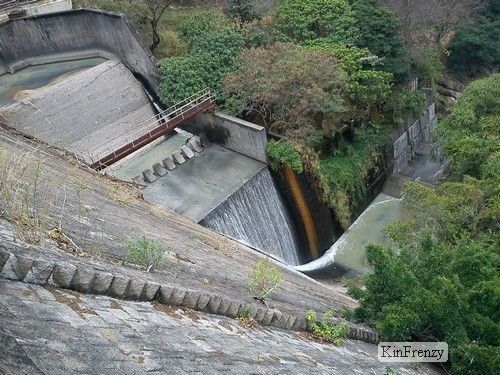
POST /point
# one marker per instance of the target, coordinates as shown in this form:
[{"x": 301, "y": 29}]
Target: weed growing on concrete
[
  {"x": 147, "y": 253},
  {"x": 263, "y": 280},
  {"x": 327, "y": 330}
]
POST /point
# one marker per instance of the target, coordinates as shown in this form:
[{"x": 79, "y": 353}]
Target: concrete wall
[
  {"x": 72, "y": 35},
  {"x": 414, "y": 137},
  {"x": 53, "y": 6},
  {"x": 235, "y": 134}
]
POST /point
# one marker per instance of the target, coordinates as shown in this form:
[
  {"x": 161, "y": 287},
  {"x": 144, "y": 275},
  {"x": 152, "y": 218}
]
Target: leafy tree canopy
[
  {"x": 443, "y": 282},
  {"x": 304, "y": 20}
]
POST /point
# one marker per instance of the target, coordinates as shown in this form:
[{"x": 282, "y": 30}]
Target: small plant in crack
[
  {"x": 147, "y": 253},
  {"x": 263, "y": 280}
]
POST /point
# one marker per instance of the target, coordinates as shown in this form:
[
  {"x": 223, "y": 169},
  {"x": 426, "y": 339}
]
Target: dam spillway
[{"x": 256, "y": 215}]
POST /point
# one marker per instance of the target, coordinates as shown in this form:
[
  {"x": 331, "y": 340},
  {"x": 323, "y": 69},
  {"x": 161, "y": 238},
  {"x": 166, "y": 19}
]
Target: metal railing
[
  {"x": 11, "y": 4},
  {"x": 158, "y": 125}
]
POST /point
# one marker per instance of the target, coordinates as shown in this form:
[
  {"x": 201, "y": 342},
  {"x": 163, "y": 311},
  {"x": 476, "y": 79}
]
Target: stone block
[
  {"x": 203, "y": 301},
  {"x": 4, "y": 255},
  {"x": 168, "y": 162},
  {"x": 178, "y": 157},
  {"x": 277, "y": 318},
  {"x": 260, "y": 313},
  {"x": 268, "y": 317},
  {"x": 63, "y": 274},
  {"x": 177, "y": 296},
  {"x": 234, "y": 308},
  {"x": 205, "y": 142},
  {"x": 290, "y": 322},
  {"x": 118, "y": 286},
  {"x": 102, "y": 282},
  {"x": 148, "y": 176},
  {"x": 159, "y": 170},
  {"x": 8, "y": 270},
  {"x": 134, "y": 289},
  {"x": 150, "y": 290},
  {"x": 187, "y": 152},
  {"x": 165, "y": 295},
  {"x": 82, "y": 281},
  {"x": 40, "y": 272},
  {"x": 191, "y": 299},
  {"x": 195, "y": 144},
  {"x": 300, "y": 324},
  {"x": 213, "y": 304},
  {"x": 224, "y": 306}
]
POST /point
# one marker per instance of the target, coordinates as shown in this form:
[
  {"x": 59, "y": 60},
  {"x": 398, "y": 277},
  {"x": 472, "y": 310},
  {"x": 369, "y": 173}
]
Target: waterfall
[{"x": 256, "y": 215}]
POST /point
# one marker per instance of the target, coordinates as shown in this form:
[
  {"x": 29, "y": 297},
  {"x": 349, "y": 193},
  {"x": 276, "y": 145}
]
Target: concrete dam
[{"x": 81, "y": 81}]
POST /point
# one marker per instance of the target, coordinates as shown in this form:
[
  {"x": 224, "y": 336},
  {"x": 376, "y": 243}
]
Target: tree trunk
[{"x": 156, "y": 35}]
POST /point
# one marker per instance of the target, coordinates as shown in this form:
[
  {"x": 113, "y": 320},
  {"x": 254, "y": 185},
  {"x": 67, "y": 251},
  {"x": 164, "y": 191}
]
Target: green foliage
[
  {"x": 241, "y": 10},
  {"x": 282, "y": 153},
  {"x": 344, "y": 174},
  {"x": 404, "y": 104},
  {"x": 470, "y": 133},
  {"x": 475, "y": 48},
  {"x": 306, "y": 103},
  {"x": 379, "y": 32},
  {"x": 212, "y": 57},
  {"x": 305, "y": 20},
  {"x": 146, "y": 252},
  {"x": 443, "y": 284},
  {"x": 327, "y": 330},
  {"x": 367, "y": 86},
  {"x": 201, "y": 24},
  {"x": 264, "y": 279},
  {"x": 428, "y": 65}
]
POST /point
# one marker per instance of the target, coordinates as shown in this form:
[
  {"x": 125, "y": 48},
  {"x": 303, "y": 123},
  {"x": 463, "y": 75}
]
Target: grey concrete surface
[
  {"x": 200, "y": 184},
  {"x": 100, "y": 216},
  {"x": 52, "y": 331},
  {"x": 72, "y": 35},
  {"x": 233, "y": 133},
  {"x": 90, "y": 113}
]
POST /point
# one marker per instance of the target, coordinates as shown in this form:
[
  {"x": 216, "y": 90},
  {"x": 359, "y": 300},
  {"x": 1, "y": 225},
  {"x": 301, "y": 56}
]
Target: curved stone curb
[{"x": 87, "y": 280}]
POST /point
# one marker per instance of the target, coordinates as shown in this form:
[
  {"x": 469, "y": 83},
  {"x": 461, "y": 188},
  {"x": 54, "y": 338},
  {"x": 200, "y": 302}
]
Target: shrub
[
  {"x": 202, "y": 24},
  {"x": 305, "y": 20},
  {"x": 147, "y": 253},
  {"x": 327, "y": 330},
  {"x": 283, "y": 153},
  {"x": 264, "y": 279}
]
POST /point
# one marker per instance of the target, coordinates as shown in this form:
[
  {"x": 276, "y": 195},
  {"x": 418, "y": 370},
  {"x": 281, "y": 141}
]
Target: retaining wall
[
  {"x": 72, "y": 35},
  {"x": 413, "y": 137},
  {"x": 235, "y": 134}
]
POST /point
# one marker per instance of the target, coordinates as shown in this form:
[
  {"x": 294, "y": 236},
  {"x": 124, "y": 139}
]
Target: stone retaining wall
[
  {"x": 84, "y": 279},
  {"x": 414, "y": 137}
]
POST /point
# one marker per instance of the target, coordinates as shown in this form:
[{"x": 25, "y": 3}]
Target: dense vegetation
[{"x": 442, "y": 283}]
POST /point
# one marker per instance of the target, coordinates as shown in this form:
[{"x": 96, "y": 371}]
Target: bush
[
  {"x": 428, "y": 65},
  {"x": 305, "y": 20},
  {"x": 282, "y": 153},
  {"x": 212, "y": 57},
  {"x": 147, "y": 253},
  {"x": 170, "y": 45},
  {"x": 327, "y": 330},
  {"x": 379, "y": 32},
  {"x": 202, "y": 24},
  {"x": 264, "y": 279},
  {"x": 475, "y": 48}
]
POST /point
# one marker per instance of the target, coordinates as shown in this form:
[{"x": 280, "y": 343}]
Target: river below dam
[{"x": 347, "y": 255}]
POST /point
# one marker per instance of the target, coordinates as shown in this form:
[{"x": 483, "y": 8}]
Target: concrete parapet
[
  {"x": 168, "y": 162},
  {"x": 187, "y": 152},
  {"x": 88, "y": 280},
  {"x": 178, "y": 157},
  {"x": 148, "y": 176},
  {"x": 159, "y": 170}
]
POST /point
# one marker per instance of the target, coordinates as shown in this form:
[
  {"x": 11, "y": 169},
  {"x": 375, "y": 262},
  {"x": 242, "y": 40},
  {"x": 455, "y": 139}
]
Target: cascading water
[{"x": 256, "y": 215}]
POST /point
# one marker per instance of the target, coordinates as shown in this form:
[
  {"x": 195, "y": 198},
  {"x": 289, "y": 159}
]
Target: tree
[
  {"x": 295, "y": 91},
  {"x": 241, "y": 10},
  {"x": 212, "y": 56},
  {"x": 305, "y": 20},
  {"x": 429, "y": 22},
  {"x": 380, "y": 33},
  {"x": 442, "y": 282},
  {"x": 475, "y": 48}
]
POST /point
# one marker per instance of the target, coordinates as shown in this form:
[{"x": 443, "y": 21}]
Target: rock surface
[{"x": 52, "y": 331}]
